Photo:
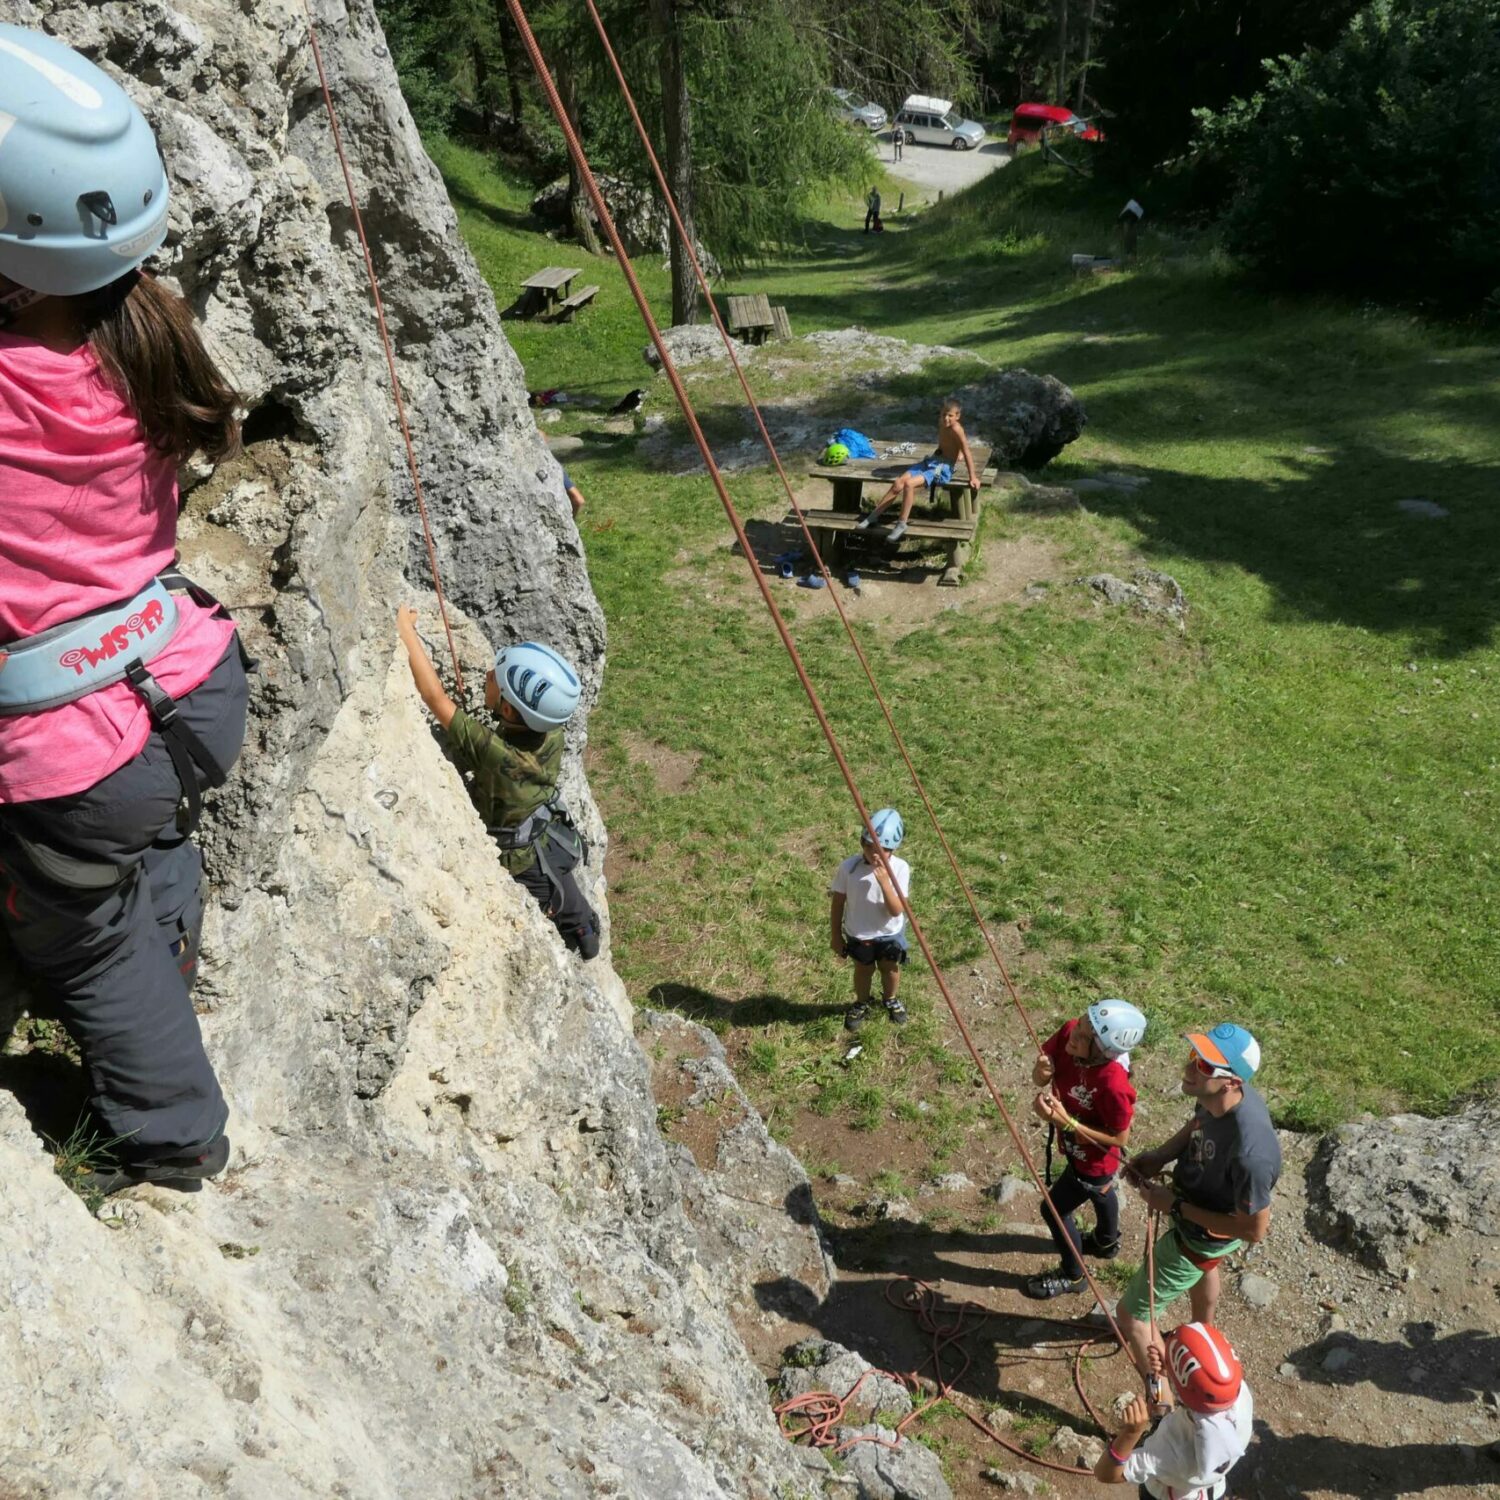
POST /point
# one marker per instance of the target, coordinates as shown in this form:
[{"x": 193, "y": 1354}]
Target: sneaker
[
  {"x": 896, "y": 532},
  {"x": 206, "y": 1161},
  {"x": 865, "y": 522},
  {"x": 1051, "y": 1284},
  {"x": 1100, "y": 1249},
  {"x": 896, "y": 1011},
  {"x": 854, "y": 1017}
]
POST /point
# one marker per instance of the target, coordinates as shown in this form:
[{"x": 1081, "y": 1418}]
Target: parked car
[
  {"x": 859, "y": 111},
  {"x": 931, "y": 122},
  {"x": 1029, "y": 122}
]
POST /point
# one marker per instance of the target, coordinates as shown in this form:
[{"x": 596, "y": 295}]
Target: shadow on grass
[
  {"x": 1331, "y": 539},
  {"x": 503, "y": 218},
  {"x": 864, "y": 552},
  {"x": 754, "y": 1010}
]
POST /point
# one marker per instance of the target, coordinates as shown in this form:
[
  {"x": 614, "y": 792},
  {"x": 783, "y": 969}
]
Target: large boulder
[
  {"x": 1028, "y": 418},
  {"x": 1381, "y": 1187},
  {"x": 643, "y": 222}
]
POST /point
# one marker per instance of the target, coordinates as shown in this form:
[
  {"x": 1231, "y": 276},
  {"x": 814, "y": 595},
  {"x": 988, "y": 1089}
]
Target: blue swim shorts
[{"x": 932, "y": 471}]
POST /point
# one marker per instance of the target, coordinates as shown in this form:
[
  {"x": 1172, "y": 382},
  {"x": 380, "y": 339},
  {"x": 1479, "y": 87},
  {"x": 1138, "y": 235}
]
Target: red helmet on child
[{"x": 1204, "y": 1369}]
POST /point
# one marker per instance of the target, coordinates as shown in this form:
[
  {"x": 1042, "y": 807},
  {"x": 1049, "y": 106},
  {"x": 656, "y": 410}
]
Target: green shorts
[{"x": 1175, "y": 1273}]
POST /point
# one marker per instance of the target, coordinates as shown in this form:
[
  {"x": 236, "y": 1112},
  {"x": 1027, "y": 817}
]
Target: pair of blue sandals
[{"x": 787, "y": 564}]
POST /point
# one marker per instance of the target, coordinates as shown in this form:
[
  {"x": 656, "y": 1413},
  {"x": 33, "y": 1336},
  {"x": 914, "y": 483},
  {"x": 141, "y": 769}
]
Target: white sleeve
[
  {"x": 839, "y": 886},
  {"x": 902, "y": 872}
]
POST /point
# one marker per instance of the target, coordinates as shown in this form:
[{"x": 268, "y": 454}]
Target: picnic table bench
[
  {"x": 544, "y": 291},
  {"x": 953, "y": 522},
  {"x": 750, "y": 318}
]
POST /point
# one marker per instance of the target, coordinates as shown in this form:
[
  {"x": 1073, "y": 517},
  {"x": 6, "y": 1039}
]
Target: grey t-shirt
[{"x": 1232, "y": 1161}]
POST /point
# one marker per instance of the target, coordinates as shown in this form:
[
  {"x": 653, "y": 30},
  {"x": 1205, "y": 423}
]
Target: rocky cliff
[{"x": 452, "y": 1256}]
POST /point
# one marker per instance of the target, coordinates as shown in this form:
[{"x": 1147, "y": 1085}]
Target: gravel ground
[{"x": 928, "y": 168}]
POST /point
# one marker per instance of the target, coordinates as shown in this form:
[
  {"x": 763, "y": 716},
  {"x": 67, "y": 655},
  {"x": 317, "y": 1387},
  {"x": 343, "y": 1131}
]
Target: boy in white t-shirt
[
  {"x": 866, "y": 919},
  {"x": 1200, "y": 1440}
]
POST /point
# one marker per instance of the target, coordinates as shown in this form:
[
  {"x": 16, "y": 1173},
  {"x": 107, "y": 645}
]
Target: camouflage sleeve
[{"x": 476, "y": 747}]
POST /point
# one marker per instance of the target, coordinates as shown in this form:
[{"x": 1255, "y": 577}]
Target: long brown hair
[{"x": 147, "y": 343}]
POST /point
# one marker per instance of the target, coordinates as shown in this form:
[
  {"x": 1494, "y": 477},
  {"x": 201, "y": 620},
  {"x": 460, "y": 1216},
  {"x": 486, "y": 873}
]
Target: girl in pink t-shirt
[{"x": 121, "y": 696}]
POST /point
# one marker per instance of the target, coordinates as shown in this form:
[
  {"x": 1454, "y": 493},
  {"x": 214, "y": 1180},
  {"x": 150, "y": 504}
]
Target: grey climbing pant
[{"x": 116, "y": 956}]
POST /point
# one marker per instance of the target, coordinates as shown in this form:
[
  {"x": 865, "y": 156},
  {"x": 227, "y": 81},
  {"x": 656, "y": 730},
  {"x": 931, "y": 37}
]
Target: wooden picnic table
[
  {"x": 545, "y": 290},
  {"x": 952, "y": 521},
  {"x": 750, "y": 317}
]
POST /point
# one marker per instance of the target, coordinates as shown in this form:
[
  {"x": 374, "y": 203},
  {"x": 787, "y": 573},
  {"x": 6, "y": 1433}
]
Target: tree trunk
[
  {"x": 1083, "y": 65},
  {"x": 1060, "y": 93},
  {"x": 578, "y": 198},
  {"x": 677, "y": 118},
  {"x": 515, "y": 63}
]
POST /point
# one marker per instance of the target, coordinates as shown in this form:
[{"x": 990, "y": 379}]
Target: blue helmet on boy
[
  {"x": 538, "y": 684},
  {"x": 889, "y": 829},
  {"x": 1118, "y": 1025},
  {"x": 83, "y": 193}
]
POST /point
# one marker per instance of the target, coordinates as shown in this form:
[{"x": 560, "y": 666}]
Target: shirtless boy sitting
[{"x": 936, "y": 468}]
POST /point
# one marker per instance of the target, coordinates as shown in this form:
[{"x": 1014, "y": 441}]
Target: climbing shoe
[
  {"x": 191, "y": 1167},
  {"x": 1051, "y": 1284},
  {"x": 896, "y": 1011},
  {"x": 896, "y": 532},
  {"x": 854, "y": 1017},
  {"x": 1100, "y": 1249},
  {"x": 584, "y": 941}
]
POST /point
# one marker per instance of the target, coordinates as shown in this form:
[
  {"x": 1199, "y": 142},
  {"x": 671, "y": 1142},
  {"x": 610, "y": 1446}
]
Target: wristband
[{"x": 1119, "y": 1458}]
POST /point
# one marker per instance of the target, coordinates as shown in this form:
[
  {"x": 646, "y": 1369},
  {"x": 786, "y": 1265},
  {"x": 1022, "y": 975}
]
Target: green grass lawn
[{"x": 1284, "y": 815}]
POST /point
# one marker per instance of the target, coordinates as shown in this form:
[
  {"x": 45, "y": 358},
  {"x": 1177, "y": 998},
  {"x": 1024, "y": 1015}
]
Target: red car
[{"x": 1030, "y": 120}]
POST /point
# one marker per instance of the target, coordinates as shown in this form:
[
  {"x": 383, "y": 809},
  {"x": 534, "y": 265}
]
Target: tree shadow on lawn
[
  {"x": 1333, "y": 543},
  {"x": 521, "y": 219},
  {"x": 754, "y": 1010}
]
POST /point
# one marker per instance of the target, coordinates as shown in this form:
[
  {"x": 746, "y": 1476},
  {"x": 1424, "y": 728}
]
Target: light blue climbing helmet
[
  {"x": 1118, "y": 1025},
  {"x": 889, "y": 829},
  {"x": 538, "y": 684},
  {"x": 83, "y": 193}
]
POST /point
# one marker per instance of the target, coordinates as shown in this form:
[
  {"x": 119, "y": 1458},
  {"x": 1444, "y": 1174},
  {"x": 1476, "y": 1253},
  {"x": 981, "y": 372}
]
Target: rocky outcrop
[
  {"x": 1381, "y": 1187},
  {"x": 452, "y": 1255},
  {"x": 645, "y": 226}
]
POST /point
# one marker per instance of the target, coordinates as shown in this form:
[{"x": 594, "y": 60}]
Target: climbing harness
[
  {"x": 97, "y": 650},
  {"x": 552, "y": 835}
]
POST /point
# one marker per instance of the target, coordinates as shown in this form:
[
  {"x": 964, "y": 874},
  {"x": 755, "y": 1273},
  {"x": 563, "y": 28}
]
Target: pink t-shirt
[{"x": 88, "y": 516}]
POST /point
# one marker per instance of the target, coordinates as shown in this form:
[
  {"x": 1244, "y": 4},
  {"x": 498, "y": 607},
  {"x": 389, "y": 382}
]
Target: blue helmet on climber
[
  {"x": 82, "y": 185},
  {"x": 889, "y": 829},
  {"x": 538, "y": 684}
]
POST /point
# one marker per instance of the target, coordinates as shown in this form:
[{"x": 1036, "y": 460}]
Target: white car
[
  {"x": 931, "y": 122},
  {"x": 858, "y": 111}
]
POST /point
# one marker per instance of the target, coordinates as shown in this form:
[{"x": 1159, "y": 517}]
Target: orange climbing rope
[
  {"x": 818, "y": 1415},
  {"x": 385, "y": 341},
  {"x": 686, "y": 241},
  {"x": 606, "y": 221}
]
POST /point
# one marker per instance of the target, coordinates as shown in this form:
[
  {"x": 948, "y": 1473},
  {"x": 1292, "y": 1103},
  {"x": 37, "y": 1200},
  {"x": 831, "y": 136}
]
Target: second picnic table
[
  {"x": 955, "y": 517},
  {"x": 546, "y": 290}
]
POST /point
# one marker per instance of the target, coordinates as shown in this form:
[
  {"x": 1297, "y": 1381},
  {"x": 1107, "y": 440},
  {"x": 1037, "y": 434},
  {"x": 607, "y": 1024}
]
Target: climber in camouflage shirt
[{"x": 533, "y": 692}]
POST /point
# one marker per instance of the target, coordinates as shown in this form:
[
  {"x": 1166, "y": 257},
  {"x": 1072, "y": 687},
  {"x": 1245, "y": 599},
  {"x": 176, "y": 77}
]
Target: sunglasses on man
[{"x": 1212, "y": 1070}]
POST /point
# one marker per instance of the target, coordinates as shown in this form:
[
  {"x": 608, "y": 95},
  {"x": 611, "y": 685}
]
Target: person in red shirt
[{"x": 1087, "y": 1097}]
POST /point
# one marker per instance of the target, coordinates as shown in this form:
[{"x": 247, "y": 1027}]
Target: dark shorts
[{"x": 884, "y": 950}]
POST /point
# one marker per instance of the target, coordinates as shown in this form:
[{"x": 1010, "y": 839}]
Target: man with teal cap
[{"x": 1227, "y": 1160}]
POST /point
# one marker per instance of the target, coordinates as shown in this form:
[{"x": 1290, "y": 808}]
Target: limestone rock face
[
  {"x": 1382, "y": 1187},
  {"x": 452, "y": 1255}
]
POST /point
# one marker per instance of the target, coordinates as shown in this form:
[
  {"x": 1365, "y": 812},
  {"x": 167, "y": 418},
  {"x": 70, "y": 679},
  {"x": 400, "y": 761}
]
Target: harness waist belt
[{"x": 73, "y": 660}]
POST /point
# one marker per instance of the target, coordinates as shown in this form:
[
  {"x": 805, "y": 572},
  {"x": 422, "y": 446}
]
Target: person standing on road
[
  {"x": 872, "y": 208},
  {"x": 898, "y": 143},
  {"x": 1227, "y": 1162}
]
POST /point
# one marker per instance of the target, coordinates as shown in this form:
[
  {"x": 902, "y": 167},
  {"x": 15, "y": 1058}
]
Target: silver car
[
  {"x": 932, "y": 122},
  {"x": 857, "y": 111}
]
